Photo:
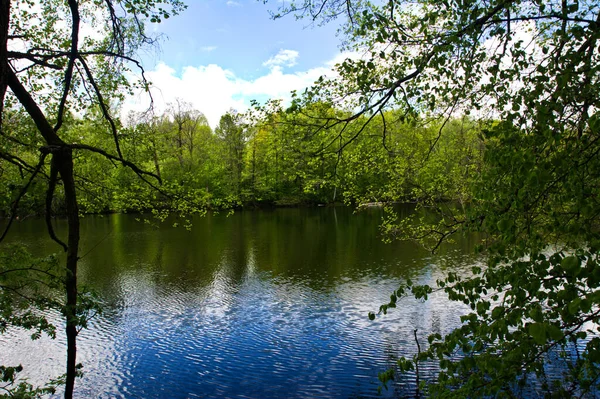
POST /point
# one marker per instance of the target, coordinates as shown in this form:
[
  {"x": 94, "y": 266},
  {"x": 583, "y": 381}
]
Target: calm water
[{"x": 261, "y": 304}]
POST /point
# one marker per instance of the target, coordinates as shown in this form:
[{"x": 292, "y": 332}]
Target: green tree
[
  {"x": 258, "y": 176},
  {"x": 188, "y": 126},
  {"x": 528, "y": 72},
  {"x": 299, "y": 163},
  {"x": 232, "y": 134},
  {"x": 145, "y": 137},
  {"x": 58, "y": 70}
]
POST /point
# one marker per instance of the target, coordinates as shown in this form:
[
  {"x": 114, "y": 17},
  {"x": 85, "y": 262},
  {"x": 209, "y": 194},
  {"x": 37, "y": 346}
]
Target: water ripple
[{"x": 244, "y": 307}]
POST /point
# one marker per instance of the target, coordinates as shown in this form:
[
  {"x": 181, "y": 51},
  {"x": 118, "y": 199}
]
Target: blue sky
[
  {"x": 220, "y": 54},
  {"x": 240, "y": 35}
]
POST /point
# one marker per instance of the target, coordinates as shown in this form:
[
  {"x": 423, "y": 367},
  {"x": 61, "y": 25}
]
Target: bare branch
[{"x": 36, "y": 59}]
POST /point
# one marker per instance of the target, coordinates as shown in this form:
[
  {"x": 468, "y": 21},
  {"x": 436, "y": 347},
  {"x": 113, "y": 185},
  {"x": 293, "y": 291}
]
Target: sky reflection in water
[{"x": 256, "y": 305}]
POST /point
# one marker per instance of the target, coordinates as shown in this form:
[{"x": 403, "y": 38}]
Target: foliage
[
  {"x": 22, "y": 389},
  {"x": 30, "y": 289},
  {"x": 248, "y": 162},
  {"x": 27, "y": 290}
]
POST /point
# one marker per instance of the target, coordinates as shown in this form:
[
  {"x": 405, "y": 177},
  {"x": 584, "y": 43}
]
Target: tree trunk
[
  {"x": 64, "y": 163},
  {"x": 62, "y": 159},
  {"x": 180, "y": 143},
  {"x": 4, "y": 21}
]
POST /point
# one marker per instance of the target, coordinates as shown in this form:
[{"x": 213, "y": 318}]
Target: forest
[
  {"x": 483, "y": 112},
  {"x": 248, "y": 162}
]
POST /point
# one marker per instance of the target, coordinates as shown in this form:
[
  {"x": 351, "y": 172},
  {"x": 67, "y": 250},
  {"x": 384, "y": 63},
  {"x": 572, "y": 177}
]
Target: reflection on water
[{"x": 256, "y": 305}]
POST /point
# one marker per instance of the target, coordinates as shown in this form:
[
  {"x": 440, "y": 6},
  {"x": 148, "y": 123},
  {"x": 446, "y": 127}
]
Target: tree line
[{"x": 250, "y": 160}]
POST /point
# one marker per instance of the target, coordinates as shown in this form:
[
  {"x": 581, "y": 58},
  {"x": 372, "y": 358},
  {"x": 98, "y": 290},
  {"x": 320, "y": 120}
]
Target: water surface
[{"x": 260, "y": 304}]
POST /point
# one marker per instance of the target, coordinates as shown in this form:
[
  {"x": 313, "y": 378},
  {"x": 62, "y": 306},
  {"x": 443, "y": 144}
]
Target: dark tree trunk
[
  {"x": 62, "y": 160},
  {"x": 4, "y": 21},
  {"x": 65, "y": 168}
]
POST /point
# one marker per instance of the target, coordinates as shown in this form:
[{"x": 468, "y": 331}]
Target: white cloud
[
  {"x": 214, "y": 90},
  {"x": 208, "y": 49},
  {"x": 282, "y": 58},
  {"x": 232, "y": 3}
]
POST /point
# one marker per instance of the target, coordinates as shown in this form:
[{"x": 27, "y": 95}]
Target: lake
[{"x": 259, "y": 304}]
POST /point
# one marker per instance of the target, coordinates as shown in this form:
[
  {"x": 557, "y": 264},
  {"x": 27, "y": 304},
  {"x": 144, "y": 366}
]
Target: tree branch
[
  {"x": 15, "y": 205},
  {"x": 72, "y": 57},
  {"x": 103, "y": 106},
  {"x": 4, "y": 25},
  {"x": 111, "y": 157},
  {"x": 33, "y": 109},
  {"x": 35, "y": 58},
  {"x": 49, "y": 197}
]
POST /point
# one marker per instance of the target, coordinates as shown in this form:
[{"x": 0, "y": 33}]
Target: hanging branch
[
  {"x": 140, "y": 172},
  {"x": 21, "y": 164},
  {"x": 384, "y": 133},
  {"x": 15, "y": 205},
  {"x": 103, "y": 106},
  {"x": 117, "y": 32},
  {"x": 49, "y": 197}
]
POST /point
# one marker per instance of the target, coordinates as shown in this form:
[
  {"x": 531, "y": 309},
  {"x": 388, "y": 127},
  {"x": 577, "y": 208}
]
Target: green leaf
[
  {"x": 574, "y": 306},
  {"x": 570, "y": 263},
  {"x": 497, "y": 312},
  {"x": 554, "y": 332},
  {"x": 537, "y": 332}
]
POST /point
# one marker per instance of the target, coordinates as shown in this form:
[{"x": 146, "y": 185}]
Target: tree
[
  {"x": 188, "y": 124},
  {"x": 56, "y": 70},
  {"x": 232, "y": 134},
  {"x": 146, "y": 132},
  {"x": 529, "y": 73}
]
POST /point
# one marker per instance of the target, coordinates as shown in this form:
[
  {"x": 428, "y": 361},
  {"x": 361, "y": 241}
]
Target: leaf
[
  {"x": 536, "y": 313},
  {"x": 537, "y": 332},
  {"x": 554, "y": 332},
  {"x": 570, "y": 263},
  {"x": 574, "y": 306},
  {"x": 497, "y": 312}
]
